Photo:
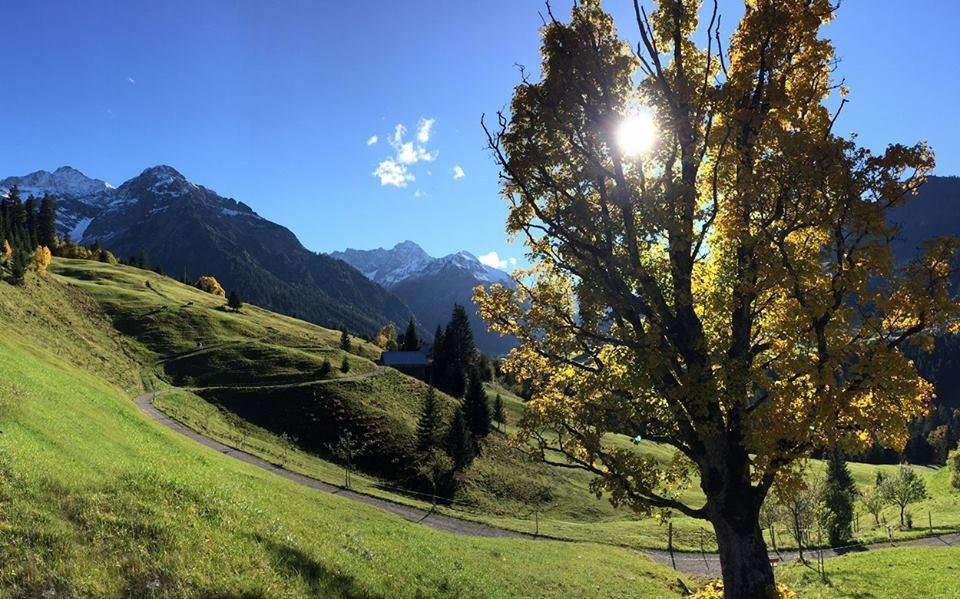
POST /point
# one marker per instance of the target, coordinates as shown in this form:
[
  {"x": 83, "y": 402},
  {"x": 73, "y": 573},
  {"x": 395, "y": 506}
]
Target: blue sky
[{"x": 274, "y": 103}]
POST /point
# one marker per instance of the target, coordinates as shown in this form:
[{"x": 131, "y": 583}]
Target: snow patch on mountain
[
  {"x": 80, "y": 228},
  {"x": 407, "y": 260}
]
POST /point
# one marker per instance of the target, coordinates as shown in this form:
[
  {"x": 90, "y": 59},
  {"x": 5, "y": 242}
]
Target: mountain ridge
[
  {"x": 191, "y": 230},
  {"x": 431, "y": 286}
]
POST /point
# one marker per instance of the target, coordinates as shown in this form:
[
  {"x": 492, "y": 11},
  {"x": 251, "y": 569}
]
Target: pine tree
[
  {"x": 234, "y": 302},
  {"x": 344, "y": 338},
  {"x": 47, "y": 222},
  {"x": 18, "y": 268},
  {"x": 410, "y": 340},
  {"x": 459, "y": 443},
  {"x": 438, "y": 363},
  {"x": 499, "y": 416},
  {"x": 428, "y": 427},
  {"x": 476, "y": 406},
  {"x": 345, "y": 365},
  {"x": 839, "y": 494},
  {"x": 458, "y": 352},
  {"x": 326, "y": 368},
  {"x": 32, "y": 222},
  {"x": 142, "y": 261}
]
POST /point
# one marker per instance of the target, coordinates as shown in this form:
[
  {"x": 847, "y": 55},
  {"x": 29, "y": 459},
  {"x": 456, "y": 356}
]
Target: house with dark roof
[{"x": 414, "y": 363}]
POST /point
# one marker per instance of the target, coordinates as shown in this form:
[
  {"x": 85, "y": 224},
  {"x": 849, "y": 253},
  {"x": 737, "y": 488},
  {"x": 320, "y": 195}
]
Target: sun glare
[{"x": 636, "y": 134}]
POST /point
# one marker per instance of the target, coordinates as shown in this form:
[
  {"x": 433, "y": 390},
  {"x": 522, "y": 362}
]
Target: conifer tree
[
  {"x": 345, "y": 365},
  {"x": 31, "y": 224},
  {"x": 476, "y": 406},
  {"x": 47, "y": 222},
  {"x": 459, "y": 444},
  {"x": 839, "y": 493},
  {"x": 18, "y": 268},
  {"x": 326, "y": 368},
  {"x": 459, "y": 353},
  {"x": 428, "y": 427},
  {"x": 410, "y": 340},
  {"x": 499, "y": 416},
  {"x": 438, "y": 358},
  {"x": 344, "y": 338},
  {"x": 234, "y": 302}
]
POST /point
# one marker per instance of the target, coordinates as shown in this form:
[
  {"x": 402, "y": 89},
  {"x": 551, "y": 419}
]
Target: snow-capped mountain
[
  {"x": 190, "y": 230},
  {"x": 79, "y": 198},
  {"x": 431, "y": 286}
]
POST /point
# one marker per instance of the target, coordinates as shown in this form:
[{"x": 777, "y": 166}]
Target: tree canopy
[{"x": 731, "y": 291}]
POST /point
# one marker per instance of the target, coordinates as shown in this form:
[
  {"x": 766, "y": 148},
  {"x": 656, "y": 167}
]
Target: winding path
[{"x": 689, "y": 563}]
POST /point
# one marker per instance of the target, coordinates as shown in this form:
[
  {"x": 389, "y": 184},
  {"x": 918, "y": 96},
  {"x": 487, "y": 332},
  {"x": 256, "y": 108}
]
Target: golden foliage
[
  {"x": 209, "y": 284},
  {"x": 386, "y": 338},
  {"x": 6, "y": 252},
  {"x": 736, "y": 283},
  {"x": 41, "y": 258},
  {"x": 714, "y": 590}
]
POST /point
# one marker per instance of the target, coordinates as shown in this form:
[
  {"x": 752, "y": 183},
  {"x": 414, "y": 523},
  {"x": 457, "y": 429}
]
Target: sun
[{"x": 636, "y": 134}]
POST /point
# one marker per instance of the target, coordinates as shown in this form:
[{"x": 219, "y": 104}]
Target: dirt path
[
  {"x": 438, "y": 521},
  {"x": 707, "y": 564}
]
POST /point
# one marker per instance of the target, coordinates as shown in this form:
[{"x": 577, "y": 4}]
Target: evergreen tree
[
  {"x": 18, "y": 268},
  {"x": 459, "y": 443},
  {"x": 47, "y": 222},
  {"x": 459, "y": 353},
  {"x": 142, "y": 261},
  {"x": 438, "y": 360},
  {"x": 345, "y": 365},
  {"x": 839, "y": 494},
  {"x": 344, "y": 338},
  {"x": 234, "y": 302},
  {"x": 410, "y": 340},
  {"x": 499, "y": 416},
  {"x": 476, "y": 406},
  {"x": 428, "y": 427},
  {"x": 326, "y": 368},
  {"x": 32, "y": 221}
]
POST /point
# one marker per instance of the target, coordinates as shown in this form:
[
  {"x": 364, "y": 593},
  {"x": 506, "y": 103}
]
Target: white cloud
[
  {"x": 419, "y": 194},
  {"x": 131, "y": 81},
  {"x": 392, "y": 173},
  {"x": 493, "y": 260},
  {"x": 373, "y": 139},
  {"x": 423, "y": 129},
  {"x": 395, "y": 169},
  {"x": 457, "y": 172}
]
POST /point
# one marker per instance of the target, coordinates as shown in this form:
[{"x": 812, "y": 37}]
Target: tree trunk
[{"x": 747, "y": 573}]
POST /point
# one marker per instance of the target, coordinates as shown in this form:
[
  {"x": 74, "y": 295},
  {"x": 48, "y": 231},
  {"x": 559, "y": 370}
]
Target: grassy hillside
[
  {"x": 96, "y": 500},
  {"x": 188, "y": 339},
  {"x": 930, "y": 572}
]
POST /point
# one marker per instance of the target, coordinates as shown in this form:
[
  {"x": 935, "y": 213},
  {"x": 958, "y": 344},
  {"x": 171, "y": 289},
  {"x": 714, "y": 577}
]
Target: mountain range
[
  {"x": 431, "y": 286},
  {"x": 190, "y": 230}
]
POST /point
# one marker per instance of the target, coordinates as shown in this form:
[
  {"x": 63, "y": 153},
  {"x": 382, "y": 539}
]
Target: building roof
[{"x": 404, "y": 358}]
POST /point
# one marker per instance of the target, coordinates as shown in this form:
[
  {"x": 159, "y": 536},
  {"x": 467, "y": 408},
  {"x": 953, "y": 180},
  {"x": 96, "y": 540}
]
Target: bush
[
  {"x": 210, "y": 284},
  {"x": 953, "y": 463},
  {"x": 714, "y": 590}
]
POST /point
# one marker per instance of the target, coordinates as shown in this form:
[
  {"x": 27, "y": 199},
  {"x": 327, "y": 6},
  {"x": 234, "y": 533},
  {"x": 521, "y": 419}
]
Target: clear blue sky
[{"x": 273, "y": 103}]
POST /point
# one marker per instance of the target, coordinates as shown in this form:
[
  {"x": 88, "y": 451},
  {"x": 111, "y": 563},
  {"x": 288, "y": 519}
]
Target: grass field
[
  {"x": 929, "y": 572},
  {"x": 96, "y": 500},
  {"x": 168, "y": 321}
]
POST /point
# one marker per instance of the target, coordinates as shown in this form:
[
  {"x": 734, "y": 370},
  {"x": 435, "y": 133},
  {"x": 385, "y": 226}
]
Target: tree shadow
[{"x": 321, "y": 581}]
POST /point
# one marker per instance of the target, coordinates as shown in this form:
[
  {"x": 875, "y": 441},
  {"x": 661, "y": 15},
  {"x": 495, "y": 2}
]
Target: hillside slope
[
  {"x": 96, "y": 500},
  {"x": 190, "y": 230}
]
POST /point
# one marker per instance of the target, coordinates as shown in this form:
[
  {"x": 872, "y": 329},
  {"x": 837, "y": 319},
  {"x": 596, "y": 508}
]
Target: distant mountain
[
  {"x": 191, "y": 230},
  {"x": 431, "y": 286},
  {"x": 934, "y": 212}
]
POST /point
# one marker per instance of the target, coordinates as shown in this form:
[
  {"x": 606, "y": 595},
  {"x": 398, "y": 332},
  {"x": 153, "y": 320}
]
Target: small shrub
[
  {"x": 211, "y": 285},
  {"x": 714, "y": 590},
  {"x": 953, "y": 463}
]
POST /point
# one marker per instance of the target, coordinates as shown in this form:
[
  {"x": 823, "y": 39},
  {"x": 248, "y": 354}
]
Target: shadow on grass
[{"x": 319, "y": 579}]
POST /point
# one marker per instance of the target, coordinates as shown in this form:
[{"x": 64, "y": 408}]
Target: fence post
[
  {"x": 670, "y": 544},
  {"x": 536, "y": 518},
  {"x": 930, "y": 522},
  {"x": 820, "y": 550},
  {"x": 703, "y": 553},
  {"x": 890, "y": 535}
]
